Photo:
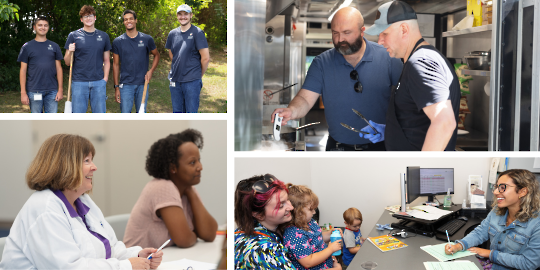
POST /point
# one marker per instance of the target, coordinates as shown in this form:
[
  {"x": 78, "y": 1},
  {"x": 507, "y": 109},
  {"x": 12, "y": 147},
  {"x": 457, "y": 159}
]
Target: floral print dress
[{"x": 263, "y": 250}]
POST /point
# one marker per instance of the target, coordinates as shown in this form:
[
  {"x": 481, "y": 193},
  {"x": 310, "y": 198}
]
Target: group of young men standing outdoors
[{"x": 88, "y": 49}]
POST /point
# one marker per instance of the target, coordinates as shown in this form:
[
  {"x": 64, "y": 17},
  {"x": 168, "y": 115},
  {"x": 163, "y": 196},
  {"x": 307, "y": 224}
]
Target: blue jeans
[
  {"x": 185, "y": 96},
  {"x": 46, "y": 104},
  {"x": 130, "y": 93},
  {"x": 93, "y": 91}
]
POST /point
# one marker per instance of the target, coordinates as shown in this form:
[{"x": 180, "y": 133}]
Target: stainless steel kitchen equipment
[
  {"x": 478, "y": 60},
  {"x": 515, "y": 82}
]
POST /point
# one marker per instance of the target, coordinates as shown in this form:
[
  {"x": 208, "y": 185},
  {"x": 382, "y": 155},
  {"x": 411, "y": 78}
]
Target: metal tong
[
  {"x": 283, "y": 89},
  {"x": 356, "y": 130}
]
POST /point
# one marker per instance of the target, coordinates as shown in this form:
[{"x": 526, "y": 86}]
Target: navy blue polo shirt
[
  {"x": 41, "y": 59},
  {"x": 329, "y": 76},
  {"x": 185, "y": 46},
  {"x": 133, "y": 53},
  {"x": 89, "y": 49}
]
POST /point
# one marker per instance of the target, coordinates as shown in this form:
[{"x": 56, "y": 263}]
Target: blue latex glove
[{"x": 374, "y": 138}]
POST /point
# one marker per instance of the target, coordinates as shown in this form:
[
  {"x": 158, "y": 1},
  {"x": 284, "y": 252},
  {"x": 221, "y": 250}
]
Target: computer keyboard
[{"x": 452, "y": 226}]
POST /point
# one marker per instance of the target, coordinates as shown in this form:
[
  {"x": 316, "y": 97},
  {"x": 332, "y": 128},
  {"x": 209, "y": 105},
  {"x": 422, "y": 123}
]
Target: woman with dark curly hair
[
  {"x": 513, "y": 226},
  {"x": 169, "y": 206}
]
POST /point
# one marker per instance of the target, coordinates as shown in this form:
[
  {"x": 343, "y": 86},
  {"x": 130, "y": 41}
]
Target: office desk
[
  {"x": 409, "y": 258},
  {"x": 208, "y": 252}
]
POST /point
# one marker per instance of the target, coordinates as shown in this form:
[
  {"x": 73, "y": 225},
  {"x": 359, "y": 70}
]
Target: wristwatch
[{"x": 116, "y": 85}]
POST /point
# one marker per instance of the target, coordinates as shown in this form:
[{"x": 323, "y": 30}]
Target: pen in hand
[
  {"x": 448, "y": 237},
  {"x": 160, "y": 248}
]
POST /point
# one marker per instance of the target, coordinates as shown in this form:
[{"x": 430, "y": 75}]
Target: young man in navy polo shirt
[
  {"x": 91, "y": 64},
  {"x": 132, "y": 50},
  {"x": 188, "y": 50},
  {"x": 41, "y": 71}
]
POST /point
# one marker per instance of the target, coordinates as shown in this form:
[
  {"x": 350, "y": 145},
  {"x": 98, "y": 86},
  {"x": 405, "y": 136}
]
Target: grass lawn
[{"x": 213, "y": 95}]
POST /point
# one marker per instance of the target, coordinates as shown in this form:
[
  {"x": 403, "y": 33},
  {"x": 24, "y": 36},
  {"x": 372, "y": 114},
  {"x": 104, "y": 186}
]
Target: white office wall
[
  {"x": 16, "y": 149},
  {"x": 121, "y": 149},
  {"x": 289, "y": 170},
  {"x": 369, "y": 184}
]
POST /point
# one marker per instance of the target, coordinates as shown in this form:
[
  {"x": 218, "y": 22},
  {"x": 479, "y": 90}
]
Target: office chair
[{"x": 118, "y": 223}]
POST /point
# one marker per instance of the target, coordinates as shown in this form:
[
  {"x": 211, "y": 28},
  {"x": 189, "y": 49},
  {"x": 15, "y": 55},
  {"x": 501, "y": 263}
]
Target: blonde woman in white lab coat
[{"x": 60, "y": 227}]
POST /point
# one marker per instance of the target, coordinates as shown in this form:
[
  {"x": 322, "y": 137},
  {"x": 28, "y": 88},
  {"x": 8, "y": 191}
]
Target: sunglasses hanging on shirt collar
[{"x": 358, "y": 85}]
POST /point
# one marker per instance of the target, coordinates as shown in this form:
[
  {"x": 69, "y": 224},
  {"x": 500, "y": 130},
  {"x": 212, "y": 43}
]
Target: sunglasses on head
[
  {"x": 358, "y": 85},
  {"x": 262, "y": 186}
]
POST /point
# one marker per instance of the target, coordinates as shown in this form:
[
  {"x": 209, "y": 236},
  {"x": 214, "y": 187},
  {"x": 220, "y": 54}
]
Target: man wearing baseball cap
[
  {"x": 355, "y": 74},
  {"x": 423, "y": 109},
  {"x": 188, "y": 50}
]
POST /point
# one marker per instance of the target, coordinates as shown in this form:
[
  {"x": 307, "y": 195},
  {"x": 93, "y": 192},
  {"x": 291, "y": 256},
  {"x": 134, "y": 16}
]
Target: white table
[{"x": 206, "y": 252}]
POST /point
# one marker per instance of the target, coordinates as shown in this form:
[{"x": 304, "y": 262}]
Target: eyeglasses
[
  {"x": 88, "y": 17},
  {"x": 501, "y": 187},
  {"x": 358, "y": 85}
]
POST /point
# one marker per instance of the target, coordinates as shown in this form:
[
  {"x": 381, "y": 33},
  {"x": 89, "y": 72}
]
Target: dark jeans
[
  {"x": 185, "y": 96},
  {"x": 333, "y": 145}
]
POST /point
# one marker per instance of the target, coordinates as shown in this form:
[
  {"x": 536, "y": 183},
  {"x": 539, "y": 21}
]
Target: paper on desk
[
  {"x": 478, "y": 201},
  {"x": 454, "y": 265},
  {"x": 437, "y": 251},
  {"x": 427, "y": 212},
  {"x": 185, "y": 263}
]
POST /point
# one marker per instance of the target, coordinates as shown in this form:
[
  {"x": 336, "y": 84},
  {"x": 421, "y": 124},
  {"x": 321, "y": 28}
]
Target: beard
[
  {"x": 184, "y": 24},
  {"x": 349, "y": 49}
]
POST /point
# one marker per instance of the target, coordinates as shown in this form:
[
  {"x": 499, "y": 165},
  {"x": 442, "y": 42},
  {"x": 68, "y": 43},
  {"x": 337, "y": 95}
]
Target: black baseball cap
[{"x": 389, "y": 13}]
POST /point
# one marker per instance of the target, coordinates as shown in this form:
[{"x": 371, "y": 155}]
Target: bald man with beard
[{"x": 355, "y": 74}]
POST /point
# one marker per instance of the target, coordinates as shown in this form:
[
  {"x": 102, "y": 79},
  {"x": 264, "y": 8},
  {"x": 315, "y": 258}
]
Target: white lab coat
[{"x": 45, "y": 236}]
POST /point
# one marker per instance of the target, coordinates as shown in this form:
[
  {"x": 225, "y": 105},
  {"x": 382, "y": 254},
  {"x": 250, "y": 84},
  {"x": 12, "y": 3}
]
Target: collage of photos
[{"x": 270, "y": 135}]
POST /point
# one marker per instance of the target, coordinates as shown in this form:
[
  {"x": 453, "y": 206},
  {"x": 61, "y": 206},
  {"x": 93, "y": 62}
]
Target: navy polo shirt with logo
[
  {"x": 41, "y": 59},
  {"x": 133, "y": 53},
  {"x": 89, "y": 49},
  {"x": 329, "y": 76},
  {"x": 185, "y": 46}
]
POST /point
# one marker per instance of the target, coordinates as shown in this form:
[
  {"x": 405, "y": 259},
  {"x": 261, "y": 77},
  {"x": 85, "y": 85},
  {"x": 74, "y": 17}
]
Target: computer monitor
[
  {"x": 413, "y": 183},
  {"x": 428, "y": 182},
  {"x": 436, "y": 181}
]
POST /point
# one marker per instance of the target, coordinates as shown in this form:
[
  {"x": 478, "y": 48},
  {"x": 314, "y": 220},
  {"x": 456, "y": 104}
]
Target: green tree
[
  {"x": 8, "y": 11},
  {"x": 214, "y": 18}
]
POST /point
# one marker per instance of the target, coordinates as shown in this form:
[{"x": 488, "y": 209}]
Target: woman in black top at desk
[{"x": 513, "y": 226}]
